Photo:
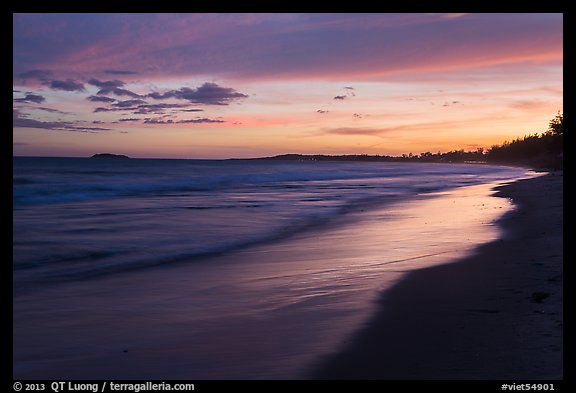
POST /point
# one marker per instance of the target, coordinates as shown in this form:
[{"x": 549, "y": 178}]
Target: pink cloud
[
  {"x": 288, "y": 75},
  {"x": 287, "y": 45}
]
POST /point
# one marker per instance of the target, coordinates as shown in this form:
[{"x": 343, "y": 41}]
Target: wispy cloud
[
  {"x": 348, "y": 92},
  {"x": 141, "y": 107},
  {"x": 36, "y": 98},
  {"x": 120, "y": 72},
  {"x": 162, "y": 107},
  {"x": 112, "y": 87},
  {"x": 41, "y": 75},
  {"x": 51, "y": 110},
  {"x": 128, "y": 103},
  {"x": 530, "y": 105},
  {"x": 100, "y": 99},
  {"x": 356, "y": 131},
  {"x": 186, "y": 121},
  {"x": 291, "y": 45},
  {"x": 45, "y": 77},
  {"x": 22, "y": 120}
]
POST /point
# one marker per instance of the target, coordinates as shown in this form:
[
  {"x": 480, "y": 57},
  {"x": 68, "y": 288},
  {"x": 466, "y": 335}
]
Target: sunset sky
[{"x": 248, "y": 85}]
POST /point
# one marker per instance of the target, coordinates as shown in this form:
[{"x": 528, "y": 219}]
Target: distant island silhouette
[{"x": 109, "y": 155}]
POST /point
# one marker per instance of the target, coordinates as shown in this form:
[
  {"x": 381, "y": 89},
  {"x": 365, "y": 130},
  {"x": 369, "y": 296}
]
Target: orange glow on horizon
[{"x": 155, "y": 85}]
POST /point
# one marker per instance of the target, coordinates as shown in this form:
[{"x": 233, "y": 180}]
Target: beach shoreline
[
  {"x": 278, "y": 310},
  {"x": 497, "y": 314},
  {"x": 265, "y": 312}
]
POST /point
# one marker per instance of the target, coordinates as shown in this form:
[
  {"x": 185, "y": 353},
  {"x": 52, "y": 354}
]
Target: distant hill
[
  {"x": 109, "y": 155},
  {"x": 541, "y": 151}
]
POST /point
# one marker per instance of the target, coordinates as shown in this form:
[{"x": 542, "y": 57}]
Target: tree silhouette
[
  {"x": 556, "y": 126},
  {"x": 543, "y": 150}
]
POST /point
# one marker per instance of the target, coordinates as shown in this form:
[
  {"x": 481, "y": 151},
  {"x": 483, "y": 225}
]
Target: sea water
[
  {"x": 222, "y": 268},
  {"x": 79, "y": 217}
]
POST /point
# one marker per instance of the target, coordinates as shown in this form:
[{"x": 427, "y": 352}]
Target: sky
[{"x": 250, "y": 85}]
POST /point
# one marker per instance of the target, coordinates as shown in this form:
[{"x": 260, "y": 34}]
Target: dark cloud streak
[
  {"x": 118, "y": 92},
  {"x": 160, "y": 108},
  {"x": 170, "y": 121},
  {"x": 45, "y": 76},
  {"x": 106, "y": 84},
  {"x": 41, "y": 75},
  {"x": 129, "y": 103},
  {"x": 20, "y": 120},
  {"x": 120, "y": 72},
  {"x": 100, "y": 99},
  {"x": 209, "y": 94},
  {"x": 66, "y": 85},
  {"x": 112, "y": 87},
  {"x": 120, "y": 109},
  {"x": 36, "y": 98}
]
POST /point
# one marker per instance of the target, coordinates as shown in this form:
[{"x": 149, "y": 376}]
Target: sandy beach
[{"x": 497, "y": 314}]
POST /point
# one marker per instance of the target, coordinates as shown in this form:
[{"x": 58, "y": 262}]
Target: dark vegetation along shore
[
  {"x": 540, "y": 151},
  {"x": 544, "y": 150}
]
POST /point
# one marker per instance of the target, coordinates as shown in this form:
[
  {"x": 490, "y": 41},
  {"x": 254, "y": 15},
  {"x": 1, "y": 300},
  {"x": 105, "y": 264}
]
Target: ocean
[{"x": 257, "y": 267}]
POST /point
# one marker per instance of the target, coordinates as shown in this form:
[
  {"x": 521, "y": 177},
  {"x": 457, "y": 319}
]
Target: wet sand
[{"x": 497, "y": 314}]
